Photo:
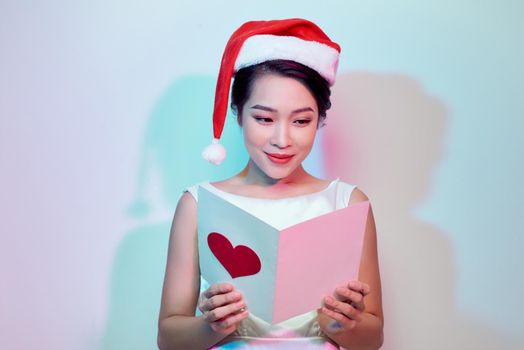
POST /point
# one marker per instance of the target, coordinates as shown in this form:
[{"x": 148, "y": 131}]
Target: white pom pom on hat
[
  {"x": 214, "y": 153},
  {"x": 254, "y": 42}
]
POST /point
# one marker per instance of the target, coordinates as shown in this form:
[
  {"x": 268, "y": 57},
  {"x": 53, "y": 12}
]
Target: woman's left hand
[{"x": 346, "y": 306}]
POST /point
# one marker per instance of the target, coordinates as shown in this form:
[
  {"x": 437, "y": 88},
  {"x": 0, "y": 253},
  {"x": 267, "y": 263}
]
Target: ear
[{"x": 239, "y": 120}]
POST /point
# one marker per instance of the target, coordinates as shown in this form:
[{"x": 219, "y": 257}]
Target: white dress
[{"x": 303, "y": 331}]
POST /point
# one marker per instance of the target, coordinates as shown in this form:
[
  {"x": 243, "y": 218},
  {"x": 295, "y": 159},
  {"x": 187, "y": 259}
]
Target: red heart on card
[{"x": 238, "y": 261}]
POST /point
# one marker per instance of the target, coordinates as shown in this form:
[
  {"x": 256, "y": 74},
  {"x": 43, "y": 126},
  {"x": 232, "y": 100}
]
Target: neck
[{"x": 253, "y": 175}]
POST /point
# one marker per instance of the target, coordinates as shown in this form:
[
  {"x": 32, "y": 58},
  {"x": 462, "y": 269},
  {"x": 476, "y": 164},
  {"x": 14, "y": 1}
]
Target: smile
[{"x": 279, "y": 158}]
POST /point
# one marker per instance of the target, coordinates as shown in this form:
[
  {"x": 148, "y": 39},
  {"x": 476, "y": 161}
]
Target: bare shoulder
[
  {"x": 357, "y": 195},
  {"x": 186, "y": 210},
  {"x": 186, "y": 202}
]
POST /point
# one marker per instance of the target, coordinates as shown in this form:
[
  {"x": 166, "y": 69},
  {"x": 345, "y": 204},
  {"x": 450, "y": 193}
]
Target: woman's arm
[
  {"x": 178, "y": 328},
  {"x": 367, "y": 331}
]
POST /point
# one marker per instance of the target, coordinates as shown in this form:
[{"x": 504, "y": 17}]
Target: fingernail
[{"x": 329, "y": 299}]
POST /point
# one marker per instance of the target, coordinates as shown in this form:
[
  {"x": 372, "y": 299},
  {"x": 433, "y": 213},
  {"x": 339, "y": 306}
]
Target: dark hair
[{"x": 316, "y": 84}]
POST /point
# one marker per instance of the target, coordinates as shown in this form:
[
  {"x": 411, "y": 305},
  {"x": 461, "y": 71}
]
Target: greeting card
[{"x": 281, "y": 273}]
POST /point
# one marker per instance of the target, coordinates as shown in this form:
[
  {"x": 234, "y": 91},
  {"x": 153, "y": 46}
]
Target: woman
[{"x": 280, "y": 97}]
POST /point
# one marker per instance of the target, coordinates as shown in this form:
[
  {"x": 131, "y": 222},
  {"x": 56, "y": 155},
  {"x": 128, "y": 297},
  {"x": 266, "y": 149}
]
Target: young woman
[{"x": 280, "y": 100}]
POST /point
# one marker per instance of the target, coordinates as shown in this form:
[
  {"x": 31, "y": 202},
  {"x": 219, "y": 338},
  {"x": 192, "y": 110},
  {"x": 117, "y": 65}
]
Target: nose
[{"x": 281, "y": 137}]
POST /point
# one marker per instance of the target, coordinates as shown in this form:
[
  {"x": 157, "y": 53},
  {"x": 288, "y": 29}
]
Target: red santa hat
[{"x": 255, "y": 42}]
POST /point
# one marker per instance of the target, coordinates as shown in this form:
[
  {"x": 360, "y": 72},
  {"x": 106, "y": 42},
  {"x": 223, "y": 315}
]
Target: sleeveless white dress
[{"x": 303, "y": 331}]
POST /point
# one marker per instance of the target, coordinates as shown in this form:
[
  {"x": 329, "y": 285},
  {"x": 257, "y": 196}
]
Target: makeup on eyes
[{"x": 301, "y": 121}]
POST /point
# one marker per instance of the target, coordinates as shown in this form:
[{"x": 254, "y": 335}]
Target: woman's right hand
[{"x": 223, "y": 307}]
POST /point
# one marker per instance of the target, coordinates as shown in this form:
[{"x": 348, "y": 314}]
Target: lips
[{"x": 279, "y": 158}]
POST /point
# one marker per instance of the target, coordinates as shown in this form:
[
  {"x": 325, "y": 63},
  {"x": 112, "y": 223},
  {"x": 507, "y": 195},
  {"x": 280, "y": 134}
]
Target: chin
[
  {"x": 277, "y": 172},
  {"x": 277, "y": 175}
]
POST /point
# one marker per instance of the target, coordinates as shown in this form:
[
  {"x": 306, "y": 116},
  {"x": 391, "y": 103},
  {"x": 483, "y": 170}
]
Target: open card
[{"x": 281, "y": 273}]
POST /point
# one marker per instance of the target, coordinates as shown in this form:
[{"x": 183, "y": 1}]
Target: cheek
[
  {"x": 255, "y": 133},
  {"x": 253, "y": 136},
  {"x": 306, "y": 138}
]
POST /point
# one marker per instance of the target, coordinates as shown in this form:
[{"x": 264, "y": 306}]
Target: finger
[
  {"x": 229, "y": 321},
  {"x": 361, "y": 287},
  {"x": 225, "y": 331},
  {"x": 220, "y": 300},
  {"x": 218, "y": 288},
  {"x": 342, "y": 307},
  {"x": 224, "y": 311},
  {"x": 344, "y": 322},
  {"x": 360, "y": 307},
  {"x": 354, "y": 298}
]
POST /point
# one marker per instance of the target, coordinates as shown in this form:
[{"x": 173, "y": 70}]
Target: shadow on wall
[
  {"x": 177, "y": 131},
  {"x": 385, "y": 134}
]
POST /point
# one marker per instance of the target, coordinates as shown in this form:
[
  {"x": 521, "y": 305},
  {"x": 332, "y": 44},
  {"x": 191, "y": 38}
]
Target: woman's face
[{"x": 280, "y": 122}]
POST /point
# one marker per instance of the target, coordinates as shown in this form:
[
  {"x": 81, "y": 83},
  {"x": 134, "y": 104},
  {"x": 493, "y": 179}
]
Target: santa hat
[{"x": 255, "y": 42}]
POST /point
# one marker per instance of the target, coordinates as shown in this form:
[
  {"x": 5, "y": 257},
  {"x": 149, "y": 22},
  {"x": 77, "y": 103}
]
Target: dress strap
[
  {"x": 344, "y": 191},
  {"x": 193, "y": 190}
]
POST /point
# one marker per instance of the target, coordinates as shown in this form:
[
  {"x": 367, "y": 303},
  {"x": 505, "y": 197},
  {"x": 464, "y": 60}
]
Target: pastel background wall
[{"x": 105, "y": 106}]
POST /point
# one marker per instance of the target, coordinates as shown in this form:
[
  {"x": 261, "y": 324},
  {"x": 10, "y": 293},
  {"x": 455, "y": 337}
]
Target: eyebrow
[{"x": 269, "y": 109}]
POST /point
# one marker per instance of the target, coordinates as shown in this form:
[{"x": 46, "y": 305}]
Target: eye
[
  {"x": 302, "y": 122},
  {"x": 263, "y": 120}
]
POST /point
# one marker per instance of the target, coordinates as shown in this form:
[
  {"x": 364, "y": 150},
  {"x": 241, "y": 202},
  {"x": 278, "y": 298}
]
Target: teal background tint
[{"x": 106, "y": 105}]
